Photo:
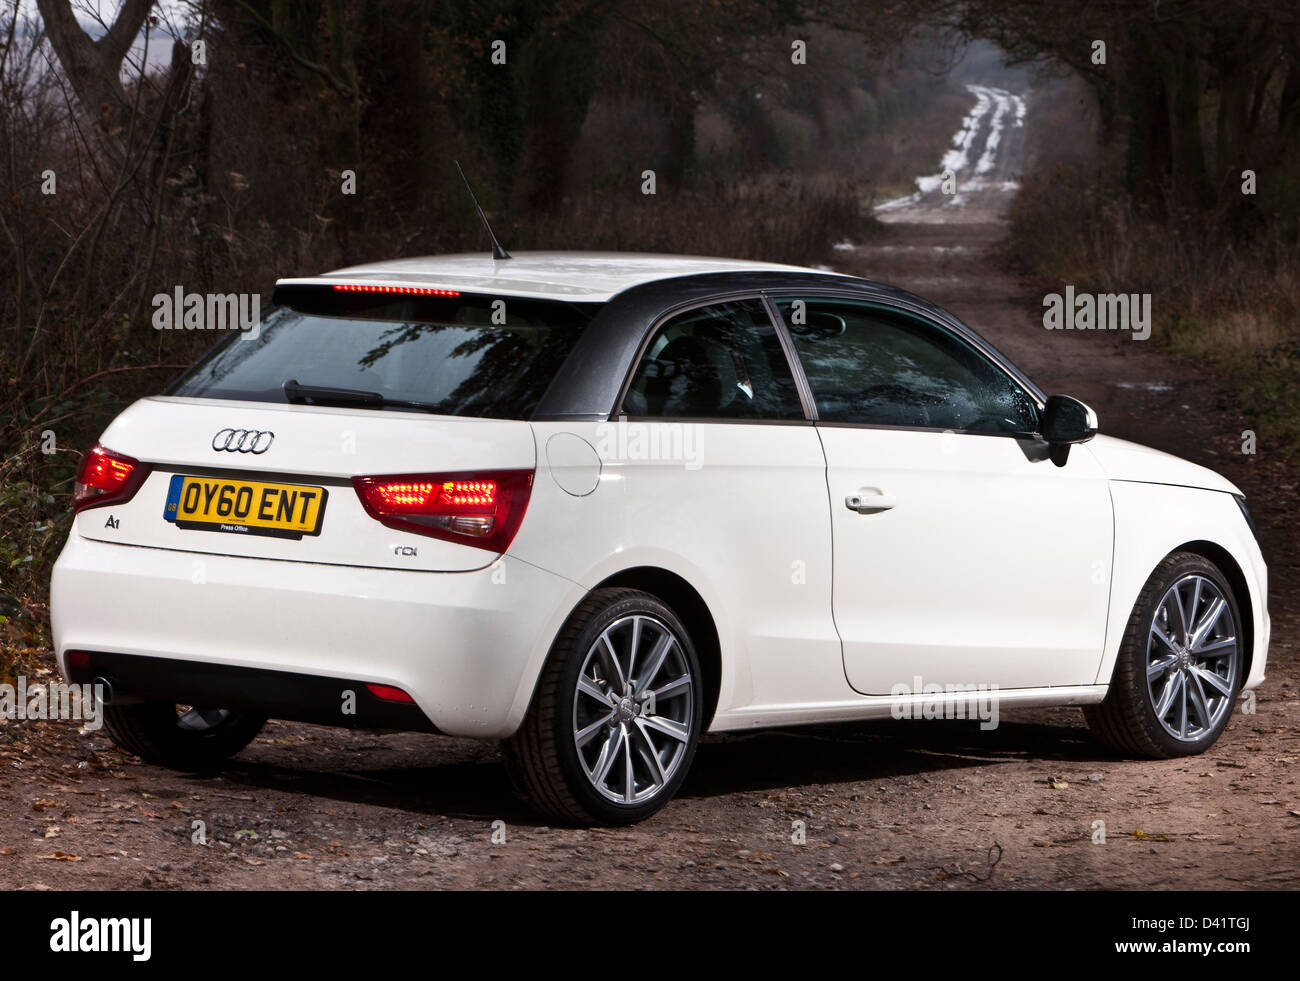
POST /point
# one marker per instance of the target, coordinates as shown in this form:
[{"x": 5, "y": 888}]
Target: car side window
[
  {"x": 870, "y": 365},
  {"x": 723, "y": 361}
]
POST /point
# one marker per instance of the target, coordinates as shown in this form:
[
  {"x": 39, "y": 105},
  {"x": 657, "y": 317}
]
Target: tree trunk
[
  {"x": 94, "y": 68},
  {"x": 560, "y": 74},
  {"x": 681, "y": 137},
  {"x": 1183, "y": 86}
]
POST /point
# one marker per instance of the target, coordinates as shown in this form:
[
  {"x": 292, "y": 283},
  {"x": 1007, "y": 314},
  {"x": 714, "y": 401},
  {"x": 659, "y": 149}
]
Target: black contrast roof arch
[{"x": 588, "y": 384}]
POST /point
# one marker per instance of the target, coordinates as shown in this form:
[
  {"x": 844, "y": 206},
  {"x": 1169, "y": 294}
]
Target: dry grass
[{"x": 1236, "y": 306}]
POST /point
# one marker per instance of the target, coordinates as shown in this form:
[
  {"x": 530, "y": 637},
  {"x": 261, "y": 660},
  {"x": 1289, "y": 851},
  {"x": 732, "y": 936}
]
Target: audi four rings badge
[{"x": 243, "y": 440}]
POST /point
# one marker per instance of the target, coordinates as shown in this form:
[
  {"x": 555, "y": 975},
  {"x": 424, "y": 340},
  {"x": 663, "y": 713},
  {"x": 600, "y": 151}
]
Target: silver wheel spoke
[
  {"x": 657, "y": 657},
  {"x": 1213, "y": 680},
  {"x": 1217, "y": 648},
  {"x": 1158, "y": 667},
  {"x": 616, "y": 676},
  {"x": 1182, "y": 706},
  {"x": 1163, "y": 637},
  {"x": 1181, "y": 627},
  {"x": 635, "y": 646},
  {"x": 629, "y": 780},
  {"x": 1217, "y": 606},
  {"x": 1196, "y": 603},
  {"x": 674, "y": 687},
  {"x": 669, "y": 728},
  {"x": 1200, "y": 706},
  {"x": 586, "y": 735},
  {"x": 608, "y": 754},
  {"x": 1168, "y": 694},
  {"x": 588, "y": 687},
  {"x": 651, "y": 754}
]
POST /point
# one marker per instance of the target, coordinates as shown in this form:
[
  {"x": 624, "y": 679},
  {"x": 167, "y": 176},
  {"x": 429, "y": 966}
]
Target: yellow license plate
[{"x": 245, "y": 507}]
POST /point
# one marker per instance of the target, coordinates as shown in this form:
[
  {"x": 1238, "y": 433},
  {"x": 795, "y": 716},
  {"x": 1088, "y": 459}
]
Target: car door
[
  {"x": 747, "y": 512},
  {"x": 962, "y": 555}
]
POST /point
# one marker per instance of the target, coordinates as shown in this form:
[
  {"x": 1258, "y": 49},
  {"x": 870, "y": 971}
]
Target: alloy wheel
[
  {"x": 1193, "y": 658},
  {"x": 632, "y": 712}
]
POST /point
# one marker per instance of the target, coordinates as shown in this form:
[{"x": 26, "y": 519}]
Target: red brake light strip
[{"x": 405, "y": 290}]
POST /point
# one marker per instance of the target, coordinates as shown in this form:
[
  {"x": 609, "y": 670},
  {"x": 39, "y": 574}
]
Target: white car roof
[{"x": 590, "y": 276}]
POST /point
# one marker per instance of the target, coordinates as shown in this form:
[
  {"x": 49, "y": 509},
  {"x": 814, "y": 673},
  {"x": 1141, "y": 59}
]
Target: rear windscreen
[{"x": 463, "y": 355}]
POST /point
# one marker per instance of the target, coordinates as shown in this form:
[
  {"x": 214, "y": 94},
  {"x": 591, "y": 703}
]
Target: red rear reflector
[
  {"x": 105, "y": 477},
  {"x": 483, "y": 509},
  {"x": 405, "y": 290},
  {"x": 389, "y": 694},
  {"x": 78, "y": 659}
]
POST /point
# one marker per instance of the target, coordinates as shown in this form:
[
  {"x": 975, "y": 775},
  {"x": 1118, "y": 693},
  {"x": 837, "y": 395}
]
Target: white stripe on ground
[{"x": 993, "y": 108}]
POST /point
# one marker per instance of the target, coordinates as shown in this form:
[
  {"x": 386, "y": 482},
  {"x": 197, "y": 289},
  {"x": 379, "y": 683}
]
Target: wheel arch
[{"x": 694, "y": 612}]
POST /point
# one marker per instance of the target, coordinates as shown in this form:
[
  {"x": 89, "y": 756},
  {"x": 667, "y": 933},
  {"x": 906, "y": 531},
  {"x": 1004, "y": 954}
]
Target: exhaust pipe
[
  {"x": 109, "y": 692},
  {"x": 104, "y": 690}
]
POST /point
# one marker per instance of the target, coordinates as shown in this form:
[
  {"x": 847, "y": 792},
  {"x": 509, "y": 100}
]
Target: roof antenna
[{"x": 498, "y": 251}]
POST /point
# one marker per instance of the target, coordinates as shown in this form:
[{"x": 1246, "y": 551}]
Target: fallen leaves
[{"x": 1144, "y": 836}]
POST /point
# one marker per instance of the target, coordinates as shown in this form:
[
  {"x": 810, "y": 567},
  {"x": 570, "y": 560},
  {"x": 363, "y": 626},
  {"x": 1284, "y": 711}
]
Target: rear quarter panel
[{"x": 743, "y": 519}]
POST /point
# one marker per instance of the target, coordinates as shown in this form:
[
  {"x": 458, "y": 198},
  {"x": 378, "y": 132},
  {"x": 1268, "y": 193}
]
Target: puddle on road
[{"x": 1145, "y": 386}]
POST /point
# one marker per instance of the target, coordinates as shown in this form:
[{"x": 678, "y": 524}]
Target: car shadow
[
  {"x": 862, "y": 751},
  {"x": 473, "y": 785}
]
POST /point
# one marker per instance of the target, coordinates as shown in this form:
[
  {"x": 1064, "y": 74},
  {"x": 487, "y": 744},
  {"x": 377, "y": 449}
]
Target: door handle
[{"x": 864, "y": 503}]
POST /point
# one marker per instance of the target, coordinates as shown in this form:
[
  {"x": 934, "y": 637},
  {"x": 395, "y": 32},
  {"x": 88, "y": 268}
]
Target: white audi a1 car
[{"x": 594, "y": 505}]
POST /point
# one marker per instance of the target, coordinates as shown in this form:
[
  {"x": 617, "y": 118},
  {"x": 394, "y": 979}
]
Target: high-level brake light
[{"x": 403, "y": 290}]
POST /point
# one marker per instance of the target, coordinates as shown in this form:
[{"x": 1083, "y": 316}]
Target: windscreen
[{"x": 459, "y": 354}]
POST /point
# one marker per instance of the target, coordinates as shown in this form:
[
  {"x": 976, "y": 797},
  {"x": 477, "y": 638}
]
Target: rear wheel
[
  {"x": 183, "y": 737},
  {"x": 1180, "y": 665},
  {"x": 616, "y": 716}
]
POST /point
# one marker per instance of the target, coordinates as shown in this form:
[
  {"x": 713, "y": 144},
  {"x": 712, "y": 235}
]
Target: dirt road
[{"x": 898, "y": 805}]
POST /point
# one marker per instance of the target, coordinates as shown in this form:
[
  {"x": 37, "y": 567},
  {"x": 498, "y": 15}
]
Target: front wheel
[
  {"x": 1180, "y": 665},
  {"x": 616, "y": 716}
]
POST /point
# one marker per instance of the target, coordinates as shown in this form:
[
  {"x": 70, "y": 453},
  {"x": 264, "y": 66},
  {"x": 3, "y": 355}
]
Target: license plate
[{"x": 245, "y": 507}]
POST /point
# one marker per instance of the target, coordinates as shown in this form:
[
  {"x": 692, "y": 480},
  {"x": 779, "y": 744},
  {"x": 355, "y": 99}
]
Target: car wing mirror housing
[{"x": 1066, "y": 421}]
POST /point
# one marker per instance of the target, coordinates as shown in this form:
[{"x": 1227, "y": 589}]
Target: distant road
[{"x": 984, "y": 165}]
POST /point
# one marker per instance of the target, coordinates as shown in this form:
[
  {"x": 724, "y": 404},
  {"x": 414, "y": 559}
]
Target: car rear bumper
[
  {"x": 131, "y": 678},
  {"x": 466, "y": 646}
]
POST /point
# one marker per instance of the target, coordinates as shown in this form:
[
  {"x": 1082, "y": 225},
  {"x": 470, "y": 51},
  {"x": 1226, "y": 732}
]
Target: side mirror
[{"x": 1066, "y": 421}]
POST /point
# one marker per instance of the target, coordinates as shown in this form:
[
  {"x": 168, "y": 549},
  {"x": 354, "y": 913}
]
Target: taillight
[
  {"x": 105, "y": 477},
  {"x": 482, "y": 508}
]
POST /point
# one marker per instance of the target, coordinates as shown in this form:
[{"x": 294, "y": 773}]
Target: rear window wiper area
[{"x": 322, "y": 395}]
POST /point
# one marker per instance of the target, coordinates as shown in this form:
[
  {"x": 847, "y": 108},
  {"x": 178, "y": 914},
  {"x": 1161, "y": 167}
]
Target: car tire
[
  {"x": 1185, "y": 631},
  {"x": 595, "y": 746},
  {"x": 180, "y": 737}
]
